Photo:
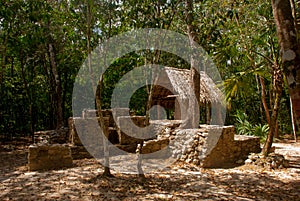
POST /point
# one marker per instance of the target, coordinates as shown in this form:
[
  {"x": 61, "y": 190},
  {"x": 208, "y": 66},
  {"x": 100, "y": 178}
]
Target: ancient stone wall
[
  {"x": 209, "y": 146},
  {"x": 212, "y": 146},
  {"x": 44, "y": 157},
  {"x": 128, "y": 126},
  {"x": 90, "y": 137}
]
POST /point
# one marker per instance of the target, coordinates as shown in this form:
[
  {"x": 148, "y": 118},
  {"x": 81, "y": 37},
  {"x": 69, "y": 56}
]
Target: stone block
[
  {"x": 45, "y": 157},
  {"x": 154, "y": 145}
]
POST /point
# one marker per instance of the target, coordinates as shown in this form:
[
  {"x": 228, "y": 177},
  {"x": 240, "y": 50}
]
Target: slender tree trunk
[
  {"x": 268, "y": 143},
  {"x": 140, "y": 160},
  {"x": 264, "y": 102},
  {"x": 293, "y": 121},
  {"x": 277, "y": 79},
  {"x": 258, "y": 84},
  {"x": 263, "y": 99},
  {"x": 101, "y": 120},
  {"x": 104, "y": 128},
  {"x": 193, "y": 113},
  {"x": 29, "y": 96},
  {"x": 89, "y": 17},
  {"x": 3, "y": 62},
  {"x": 50, "y": 108},
  {"x": 58, "y": 88},
  {"x": 294, "y": 13},
  {"x": 64, "y": 96},
  {"x": 289, "y": 50}
]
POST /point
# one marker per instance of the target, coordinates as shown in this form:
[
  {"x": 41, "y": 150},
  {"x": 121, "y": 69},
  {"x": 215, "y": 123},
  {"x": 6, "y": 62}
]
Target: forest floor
[{"x": 178, "y": 182}]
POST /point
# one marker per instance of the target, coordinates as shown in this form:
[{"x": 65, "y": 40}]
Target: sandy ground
[{"x": 178, "y": 182}]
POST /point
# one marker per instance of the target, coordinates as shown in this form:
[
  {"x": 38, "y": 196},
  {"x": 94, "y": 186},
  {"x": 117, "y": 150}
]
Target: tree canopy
[{"x": 44, "y": 43}]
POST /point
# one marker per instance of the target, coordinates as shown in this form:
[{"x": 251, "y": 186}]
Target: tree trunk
[
  {"x": 264, "y": 102},
  {"x": 3, "y": 63},
  {"x": 104, "y": 128},
  {"x": 293, "y": 121},
  {"x": 192, "y": 118},
  {"x": 50, "y": 108},
  {"x": 272, "y": 125},
  {"x": 289, "y": 50},
  {"x": 29, "y": 97},
  {"x": 263, "y": 99},
  {"x": 58, "y": 88},
  {"x": 277, "y": 80},
  {"x": 106, "y": 172},
  {"x": 140, "y": 160}
]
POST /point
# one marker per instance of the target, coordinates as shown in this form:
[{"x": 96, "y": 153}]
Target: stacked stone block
[{"x": 44, "y": 157}]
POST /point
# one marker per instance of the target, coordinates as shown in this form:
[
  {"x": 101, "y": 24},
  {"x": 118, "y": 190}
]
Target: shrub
[{"x": 244, "y": 127}]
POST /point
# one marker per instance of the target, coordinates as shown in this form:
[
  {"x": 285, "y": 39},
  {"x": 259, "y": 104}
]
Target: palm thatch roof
[{"x": 177, "y": 84}]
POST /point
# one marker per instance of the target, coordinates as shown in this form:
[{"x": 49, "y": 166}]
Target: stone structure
[
  {"x": 44, "y": 157},
  {"x": 89, "y": 129},
  {"x": 51, "y": 136},
  {"x": 163, "y": 130},
  {"x": 134, "y": 126},
  {"x": 212, "y": 146},
  {"x": 208, "y": 146},
  {"x": 87, "y": 125}
]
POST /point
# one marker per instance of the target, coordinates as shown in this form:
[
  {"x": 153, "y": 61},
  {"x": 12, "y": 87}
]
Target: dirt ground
[{"x": 178, "y": 182}]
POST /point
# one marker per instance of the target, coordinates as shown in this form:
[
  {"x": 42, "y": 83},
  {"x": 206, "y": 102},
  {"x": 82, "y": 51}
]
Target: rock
[
  {"x": 253, "y": 156},
  {"x": 248, "y": 161}
]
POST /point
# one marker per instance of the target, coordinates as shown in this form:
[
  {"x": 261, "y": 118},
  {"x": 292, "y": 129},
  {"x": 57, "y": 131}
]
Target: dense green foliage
[
  {"x": 239, "y": 36},
  {"x": 244, "y": 127}
]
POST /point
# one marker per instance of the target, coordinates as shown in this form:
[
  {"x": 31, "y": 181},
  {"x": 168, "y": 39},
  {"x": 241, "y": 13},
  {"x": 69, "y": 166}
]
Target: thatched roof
[{"x": 179, "y": 81}]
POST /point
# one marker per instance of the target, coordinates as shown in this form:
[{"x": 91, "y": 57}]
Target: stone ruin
[
  {"x": 50, "y": 150},
  {"x": 212, "y": 146},
  {"x": 86, "y": 126},
  {"x": 189, "y": 145},
  {"x": 209, "y": 146},
  {"x": 53, "y": 156}
]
